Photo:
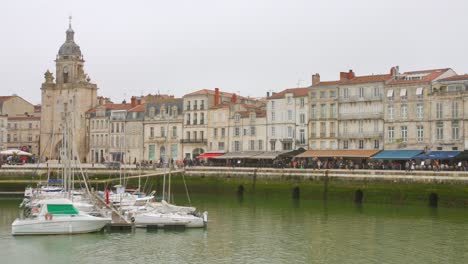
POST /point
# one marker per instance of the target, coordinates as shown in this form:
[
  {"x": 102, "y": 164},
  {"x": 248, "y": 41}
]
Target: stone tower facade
[{"x": 66, "y": 99}]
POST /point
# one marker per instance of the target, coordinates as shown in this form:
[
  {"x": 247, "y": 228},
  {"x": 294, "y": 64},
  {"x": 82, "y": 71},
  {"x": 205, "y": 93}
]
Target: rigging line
[{"x": 186, "y": 189}]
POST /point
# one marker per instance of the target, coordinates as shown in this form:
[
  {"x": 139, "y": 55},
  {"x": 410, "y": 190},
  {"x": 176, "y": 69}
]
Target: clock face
[{"x": 65, "y": 69}]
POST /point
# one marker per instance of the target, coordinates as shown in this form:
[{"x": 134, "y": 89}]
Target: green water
[{"x": 263, "y": 230}]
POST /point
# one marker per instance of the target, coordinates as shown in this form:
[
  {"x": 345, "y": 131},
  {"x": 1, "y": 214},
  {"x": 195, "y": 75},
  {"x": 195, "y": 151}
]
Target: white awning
[
  {"x": 403, "y": 92},
  {"x": 419, "y": 91},
  {"x": 390, "y": 93}
]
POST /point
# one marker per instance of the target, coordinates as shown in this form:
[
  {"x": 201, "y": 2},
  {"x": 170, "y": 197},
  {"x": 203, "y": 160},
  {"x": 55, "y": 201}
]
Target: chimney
[
  {"x": 315, "y": 79},
  {"x": 234, "y": 98},
  {"x": 133, "y": 101},
  {"x": 347, "y": 75},
  {"x": 139, "y": 102},
  {"x": 394, "y": 71},
  {"x": 216, "y": 98}
]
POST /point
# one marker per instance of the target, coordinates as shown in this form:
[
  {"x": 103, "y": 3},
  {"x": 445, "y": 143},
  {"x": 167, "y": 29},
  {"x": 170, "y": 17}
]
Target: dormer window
[{"x": 237, "y": 118}]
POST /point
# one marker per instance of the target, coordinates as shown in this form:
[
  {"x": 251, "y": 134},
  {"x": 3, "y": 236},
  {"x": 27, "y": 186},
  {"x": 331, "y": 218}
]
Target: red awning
[{"x": 209, "y": 155}]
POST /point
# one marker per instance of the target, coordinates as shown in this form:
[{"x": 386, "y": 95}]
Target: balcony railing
[
  {"x": 356, "y": 98},
  {"x": 194, "y": 140},
  {"x": 361, "y": 135},
  {"x": 365, "y": 115}
]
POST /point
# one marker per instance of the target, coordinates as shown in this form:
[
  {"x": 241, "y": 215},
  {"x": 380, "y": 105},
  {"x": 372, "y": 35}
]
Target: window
[
  {"x": 345, "y": 127},
  {"x": 188, "y": 135},
  {"x": 290, "y": 132},
  {"x": 302, "y": 102},
  {"x": 361, "y": 126},
  {"x": 215, "y": 132},
  {"x": 272, "y": 105},
  {"x": 272, "y": 145},
  {"x": 454, "y": 109},
  {"x": 151, "y": 132},
  {"x": 322, "y": 94},
  {"x": 390, "y": 95},
  {"x": 273, "y": 131},
  {"x": 195, "y": 135},
  {"x": 439, "y": 110},
  {"x": 237, "y": 146},
  {"x": 391, "y": 114},
  {"x": 391, "y": 134},
  {"x": 323, "y": 110},
  {"x": 333, "y": 145},
  {"x": 252, "y": 131},
  {"x": 223, "y": 132},
  {"x": 403, "y": 94},
  {"x": 404, "y": 111},
  {"x": 313, "y": 111},
  {"x": 289, "y": 98},
  {"x": 361, "y": 92},
  {"x": 313, "y": 95},
  {"x": 174, "y": 131},
  {"x": 252, "y": 145},
  {"x": 290, "y": 115},
  {"x": 236, "y": 131},
  {"x": 245, "y": 132},
  {"x": 361, "y": 144},
  {"x": 195, "y": 105},
  {"x": 345, "y": 93},
  {"x": 302, "y": 136},
  {"x": 188, "y": 119},
  {"x": 237, "y": 117},
  {"x": 202, "y": 118},
  {"x": 323, "y": 129},
  {"x": 420, "y": 133},
  {"x": 163, "y": 132},
  {"x": 302, "y": 118},
  {"x": 376, "y": 144},
  {"x": 332, "y": 94},
  {"x": 376, "y": 91},
  {"x": 404, "y": 133},
  {"x": 332, "y": 111},
  {"x": 345, "y": 144},
  {"x": 260, "y": 144},
  {"x": 455, "y": 130},
  {"x": 439, "y": 131},
  {"x": 273, "y": 117},
  {"x": 195, "y": 117},
  {"x": 323, "y": 145},
  {"x": 420, "y": 110},
  {"x": 188, "y": 105},
  {"x": 202, "y": 105},
  {"x": 332, "y": 129},
  {"x": 376, "y": 125},
  {"x": 220, "y": 145}
]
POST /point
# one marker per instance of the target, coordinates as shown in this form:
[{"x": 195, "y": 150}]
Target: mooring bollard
[
  {"x": 358, "y": 196},
  {"x": 296, "y": 192},
  {"x": 433, "y": 200},
  {"x": 240, "y": 190}
]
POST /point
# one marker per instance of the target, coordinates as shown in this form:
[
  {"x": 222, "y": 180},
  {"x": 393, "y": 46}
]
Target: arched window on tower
[{"x": 65, "y": 74}]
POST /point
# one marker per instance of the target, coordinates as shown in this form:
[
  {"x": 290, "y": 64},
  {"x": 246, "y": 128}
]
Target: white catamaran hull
[{"x": 72, "y": 225}]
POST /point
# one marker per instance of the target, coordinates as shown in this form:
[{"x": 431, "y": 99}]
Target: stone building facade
[
  {"x": 287, "y": 119},
  {"x": 3, "y": 132},
  {"x": 323, "y": 114},
  {"x": 408, "y": 104},
  {"x": 163, "y": 129},
  {"x": 15, "y": 106},
  {"x": 218, "y": 127},
  {"x": 23, "y": 133},
  {"x": 248, "y": 128},
  {"x": 66, "y": 100}
]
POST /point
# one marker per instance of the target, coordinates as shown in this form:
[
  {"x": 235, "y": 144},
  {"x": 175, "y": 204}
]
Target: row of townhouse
[{"x": 423, "y": 110}]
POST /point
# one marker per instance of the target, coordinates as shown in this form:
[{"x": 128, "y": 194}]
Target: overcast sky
[{"x": 246, "y": 46}]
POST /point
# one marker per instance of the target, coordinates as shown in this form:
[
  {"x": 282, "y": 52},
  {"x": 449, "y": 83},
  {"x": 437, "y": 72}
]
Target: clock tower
[{"x": 66, "y": 100}]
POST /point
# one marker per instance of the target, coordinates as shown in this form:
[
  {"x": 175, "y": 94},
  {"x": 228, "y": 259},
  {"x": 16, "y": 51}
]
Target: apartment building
[
  {"x": 23, "y": 132},
  {"x": 218, "y": 127},
  {"x": 248, "y": 125}
]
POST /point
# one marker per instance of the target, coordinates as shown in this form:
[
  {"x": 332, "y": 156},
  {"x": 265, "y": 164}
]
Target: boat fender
[
  {"x": 132, "y": 219},
  {"x": 35, "y": 210},
  {"x": 48, "y": 216}
]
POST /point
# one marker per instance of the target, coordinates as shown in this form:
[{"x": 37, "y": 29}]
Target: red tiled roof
[
  {"x": 367, "y": 79},
  {"x": 326, "y": 83},
  {"x": 138, "y": 108},
  {"x": 433, "y": 74},
  {"x": 258, "y": 113},
  {"x": 224, "y": 104},
  {"x": 456, "y": 78},
  {"x": 5, "y": 98},
  {"x": 427, "y": 71},
  {"x": 22, "y": 118},
  {"x": 297, "y": 92},
  {"x": 211, "y": 92}
]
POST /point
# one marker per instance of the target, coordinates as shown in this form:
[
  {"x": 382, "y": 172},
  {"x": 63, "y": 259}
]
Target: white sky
[{"x": 246, "y": 46}]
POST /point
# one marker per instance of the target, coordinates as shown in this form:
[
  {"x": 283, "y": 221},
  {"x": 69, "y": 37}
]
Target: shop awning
[
  {"x": 239, "y": 155},
  {"x": 397, "y": 154},
  {"x": 438, "y": 155},
  {"x": 209, "y": 155},
  {"x": 338, "y": 153},
  {"x": 269, "y": 155}
]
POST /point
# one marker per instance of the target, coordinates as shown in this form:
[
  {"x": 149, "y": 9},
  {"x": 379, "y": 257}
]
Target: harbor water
[{"x": 260, "y": 229}]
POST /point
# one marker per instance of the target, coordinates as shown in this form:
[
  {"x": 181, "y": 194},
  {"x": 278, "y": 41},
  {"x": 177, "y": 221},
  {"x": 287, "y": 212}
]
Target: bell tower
[{"x": 66, "y": 100}]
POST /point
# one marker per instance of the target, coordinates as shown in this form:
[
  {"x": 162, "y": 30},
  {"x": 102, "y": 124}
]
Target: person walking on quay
[{"x": 407, "y": 166}]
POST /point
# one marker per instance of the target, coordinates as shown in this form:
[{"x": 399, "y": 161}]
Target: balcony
[
  {"x": 356, "y": 98},
  {"x": 365, "y": 115},
  {"x": 361, "y": 135},
  {"x": 194, "y": 141}
]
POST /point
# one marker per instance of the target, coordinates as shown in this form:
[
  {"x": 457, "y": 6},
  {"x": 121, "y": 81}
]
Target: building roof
[
  {"x": 258, "y": 113},
  {"x": 138, "y": 108},
  {"x": 297, "y": 92},
  {"x": 6, "y": 98},
  {"x": 456, "y": 78},
  {"x": 210, "y": 92},
  {"x": 326, "y": 83},
  {"x": 110, "y": 107},
  {"x": 431, "y": 76}
]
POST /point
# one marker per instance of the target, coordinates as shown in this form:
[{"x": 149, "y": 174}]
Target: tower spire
[{"x": 69, "y": 22}]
